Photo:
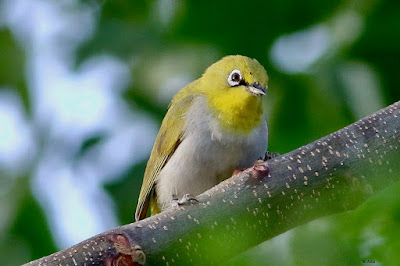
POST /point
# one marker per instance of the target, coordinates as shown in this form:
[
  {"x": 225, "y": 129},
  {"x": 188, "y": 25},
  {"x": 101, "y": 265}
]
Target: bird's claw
[
  {"x": 187, "y": 198},
  {"x": 270, "y": 155}
]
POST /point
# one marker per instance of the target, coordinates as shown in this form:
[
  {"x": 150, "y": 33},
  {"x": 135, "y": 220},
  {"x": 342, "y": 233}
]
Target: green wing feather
[{"x": 168, "y": 139}]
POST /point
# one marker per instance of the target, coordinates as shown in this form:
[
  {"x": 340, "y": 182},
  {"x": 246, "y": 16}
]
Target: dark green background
[{"x": 300, "y": 107}]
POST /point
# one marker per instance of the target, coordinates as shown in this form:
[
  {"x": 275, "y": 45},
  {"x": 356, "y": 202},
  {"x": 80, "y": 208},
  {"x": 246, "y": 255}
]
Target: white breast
[{"x": 207, "y": 155}]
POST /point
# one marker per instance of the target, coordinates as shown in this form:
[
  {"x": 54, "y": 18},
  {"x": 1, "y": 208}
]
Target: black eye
[{"x": 235, "y": 77}]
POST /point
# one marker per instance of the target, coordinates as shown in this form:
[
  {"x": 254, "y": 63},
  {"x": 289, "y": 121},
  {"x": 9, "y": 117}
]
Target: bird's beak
[{"x": 257, "y": 89}]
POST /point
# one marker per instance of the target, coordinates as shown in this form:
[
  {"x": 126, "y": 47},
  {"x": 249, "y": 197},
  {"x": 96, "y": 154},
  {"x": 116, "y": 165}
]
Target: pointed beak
[{"x": 257, "y": 89}]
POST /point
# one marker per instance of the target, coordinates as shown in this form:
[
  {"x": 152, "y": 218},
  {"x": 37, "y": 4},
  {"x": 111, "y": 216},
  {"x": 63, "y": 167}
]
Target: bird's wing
[{"x": 168, "y": 139}]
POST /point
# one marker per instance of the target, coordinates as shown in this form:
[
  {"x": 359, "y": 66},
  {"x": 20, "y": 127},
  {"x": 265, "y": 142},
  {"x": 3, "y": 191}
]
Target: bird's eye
[{"x": 234, "y": 78}]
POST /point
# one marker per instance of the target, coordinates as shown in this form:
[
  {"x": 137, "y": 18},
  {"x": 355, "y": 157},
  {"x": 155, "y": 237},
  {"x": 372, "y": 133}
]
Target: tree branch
[{"x": 331, "y": 175}]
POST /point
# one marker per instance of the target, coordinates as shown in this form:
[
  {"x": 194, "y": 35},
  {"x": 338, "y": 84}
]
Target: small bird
[{"x": 213, "y": 126}]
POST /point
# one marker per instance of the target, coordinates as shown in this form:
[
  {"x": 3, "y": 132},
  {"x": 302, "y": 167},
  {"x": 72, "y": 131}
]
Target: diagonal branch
[{"x": 333, "y": 174}]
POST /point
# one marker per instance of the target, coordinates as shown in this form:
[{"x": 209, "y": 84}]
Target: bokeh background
[{"x": 84, "y": 86}]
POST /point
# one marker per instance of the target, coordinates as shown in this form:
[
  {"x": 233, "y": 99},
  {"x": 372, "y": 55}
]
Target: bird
[{"x": 213, "y": 126}]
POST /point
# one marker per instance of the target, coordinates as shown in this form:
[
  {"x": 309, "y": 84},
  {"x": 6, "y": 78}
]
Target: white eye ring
[{"x": 235, "y": 77}]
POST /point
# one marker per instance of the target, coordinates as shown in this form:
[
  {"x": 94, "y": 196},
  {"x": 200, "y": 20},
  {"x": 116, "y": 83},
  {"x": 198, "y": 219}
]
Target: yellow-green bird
[{"x": 213, "y": 126}]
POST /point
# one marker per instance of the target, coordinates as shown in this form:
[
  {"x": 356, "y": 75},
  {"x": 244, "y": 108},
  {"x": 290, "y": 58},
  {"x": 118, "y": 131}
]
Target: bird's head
[
  {"x": 235, "y": 74},
  {"x": 234, "y": 86}
]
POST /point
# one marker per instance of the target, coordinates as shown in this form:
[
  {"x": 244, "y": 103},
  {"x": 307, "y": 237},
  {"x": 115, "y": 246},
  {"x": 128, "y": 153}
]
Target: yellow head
[{"x": 234, "y": 87}]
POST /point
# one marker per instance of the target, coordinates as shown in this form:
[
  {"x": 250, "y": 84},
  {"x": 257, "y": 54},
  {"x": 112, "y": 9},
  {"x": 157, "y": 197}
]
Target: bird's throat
[{"x": 237, "y": 111}]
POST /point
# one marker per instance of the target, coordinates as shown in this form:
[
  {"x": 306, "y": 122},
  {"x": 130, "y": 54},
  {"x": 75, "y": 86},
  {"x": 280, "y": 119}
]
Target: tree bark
[{"x": 333, "y": 174}]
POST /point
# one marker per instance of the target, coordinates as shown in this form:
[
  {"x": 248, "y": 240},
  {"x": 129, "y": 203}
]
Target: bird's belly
[{"x": 200, "y": 162}]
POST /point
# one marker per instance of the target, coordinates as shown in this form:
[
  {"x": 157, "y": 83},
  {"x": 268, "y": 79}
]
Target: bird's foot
[
  {"x": 258, "y": 172},
  {"x": 270, "y": 155},
  {"x": 187, "y": 198},
  {"x": 259, "y": 164},
  {"x": 238, "y": 171}
]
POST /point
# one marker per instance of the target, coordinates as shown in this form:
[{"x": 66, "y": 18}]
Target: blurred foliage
[
  {"x": 123, "y": 191},
  {"x": 27, "y": 234},
  {"x": 168, "y": 43},
  {"x": 12, "y": 65}
]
